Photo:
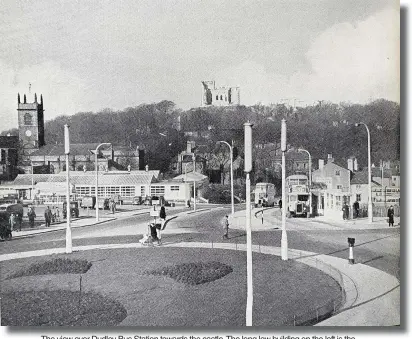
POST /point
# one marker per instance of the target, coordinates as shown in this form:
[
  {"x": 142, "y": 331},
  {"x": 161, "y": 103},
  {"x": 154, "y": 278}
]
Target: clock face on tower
[{"x": 28, "y": 133}]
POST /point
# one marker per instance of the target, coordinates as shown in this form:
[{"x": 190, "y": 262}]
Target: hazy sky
[{"x": 85, "y": 55}]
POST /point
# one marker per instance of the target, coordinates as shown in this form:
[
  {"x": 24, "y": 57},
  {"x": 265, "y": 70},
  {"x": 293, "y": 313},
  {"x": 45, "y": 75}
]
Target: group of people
[
  {"x": 345, "y": 209},
  {"x": 51, "y": 215},
  {"x": 112, "y": 205}
]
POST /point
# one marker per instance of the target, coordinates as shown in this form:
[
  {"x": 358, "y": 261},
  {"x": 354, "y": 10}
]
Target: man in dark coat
[
  {"x": 391, "y": 214},
  {"x": 47, "y": 216},
  {"x": 356, "y": 208},
  {"x": 162, "y": 216}
]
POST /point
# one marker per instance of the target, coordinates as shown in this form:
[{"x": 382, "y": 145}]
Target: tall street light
[
  {"x": 310, "y": 179},
  {"x": 231, "y": 174},
  {"x": 68, "y": 210},
  {"x": 186, "y": 172},
  {"x": 194, "y": 182},
  {"x": 283, "y": 146},
  {"x": 32, "y": 182},
  {"x": 249, "y": 267},
  {"x": 96, "y": 151},
  {"x": 370, "y": 209}
]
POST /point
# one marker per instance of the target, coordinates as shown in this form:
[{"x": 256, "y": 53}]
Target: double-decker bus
[
  {"x": 297, "y": 195},
  {"x": 265, "y": 194}
]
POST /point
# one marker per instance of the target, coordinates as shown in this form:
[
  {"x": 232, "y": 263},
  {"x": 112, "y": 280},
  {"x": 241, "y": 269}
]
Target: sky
[{"x": 94, "y": 54}]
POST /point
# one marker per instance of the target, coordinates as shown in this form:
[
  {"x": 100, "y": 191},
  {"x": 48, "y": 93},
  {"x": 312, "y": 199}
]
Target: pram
[{"x": 151, "y": 237}]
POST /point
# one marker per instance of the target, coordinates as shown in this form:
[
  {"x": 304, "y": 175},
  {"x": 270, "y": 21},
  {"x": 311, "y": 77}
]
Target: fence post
[
  {"x": 212, "y": 243},
  {"x": 317, "y": 314},
  {"x": 294, "y": 320}
]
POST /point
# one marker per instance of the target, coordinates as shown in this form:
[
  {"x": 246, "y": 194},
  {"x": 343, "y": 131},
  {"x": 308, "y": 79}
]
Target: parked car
[
  {"x": 88, "y": 202},
  {"x": 74, "y": 209},
  {"x": 7, "y": 209},
  {"x": 137, "y": 201},
  {"x": 148, "y": 201},
  {"x": 104, "y": 203}
]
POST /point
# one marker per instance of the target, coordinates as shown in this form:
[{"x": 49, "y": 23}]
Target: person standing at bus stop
[
  {"x": 226, "y": 228},
  {"x": 47, "y": 216},
  {"x": 391, "y": 214},
  {"x": 31, "y": 214}
]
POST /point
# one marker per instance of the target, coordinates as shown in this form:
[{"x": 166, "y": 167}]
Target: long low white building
[{"x": 126, "y": 184}]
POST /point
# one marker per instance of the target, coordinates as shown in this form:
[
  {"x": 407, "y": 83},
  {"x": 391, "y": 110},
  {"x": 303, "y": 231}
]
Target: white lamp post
[
  {"x": 96, "y": 151},
  {"x": 370, "y": 209},
  {"x": 32, "y": 182},
  {"x": 194, "y": 183},
  {"x": 310, "y": 179},
  {"x": 249, "y": 268},
  {"x": 68, "y": 211},
  {"x": 284, "y": 239},
  {"x": 231, "y": 174}
]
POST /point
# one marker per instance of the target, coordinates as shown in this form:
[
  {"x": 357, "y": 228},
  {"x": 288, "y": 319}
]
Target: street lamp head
[{"x": 357, "y": 124}]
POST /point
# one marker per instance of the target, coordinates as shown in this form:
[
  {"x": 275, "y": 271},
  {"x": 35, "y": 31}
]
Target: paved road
[{"x": 377, "y": 248}]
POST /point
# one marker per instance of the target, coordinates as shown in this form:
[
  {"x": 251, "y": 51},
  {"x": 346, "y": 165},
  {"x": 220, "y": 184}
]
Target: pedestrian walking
[
  {"x": 391, "y": 214},
  {"x": 162, "y": 216},
  {"x": 9, "y": 228},
  {"x": 47, "y": 216},
  {"x": 31, "y": 214},
  {"x": 57, "y": 214},
  {"x": 226, "y": 228},
  {"x": 356, "y": 208},
  {"x": 53, "y": 213},
  {"x": 13, "y": 219}
]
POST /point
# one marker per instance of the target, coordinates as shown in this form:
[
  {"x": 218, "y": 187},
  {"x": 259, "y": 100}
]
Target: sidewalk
[
  {"x": 79, "y": 222},
  {"x": 272, "y": 220}
]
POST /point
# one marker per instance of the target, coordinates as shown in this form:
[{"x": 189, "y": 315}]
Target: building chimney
[
  {"x": 321, "y": 164},
  {"x": 147, "y": 168},
  {"x": 355, "y": 164},
  {"x": 330, "y": 158},
  {"x": 350, "y": 164},
  {"x": 189, "y": 147}
]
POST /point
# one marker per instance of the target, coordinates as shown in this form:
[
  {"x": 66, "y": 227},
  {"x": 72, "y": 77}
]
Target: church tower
[{"x": 31, "y": 123}]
